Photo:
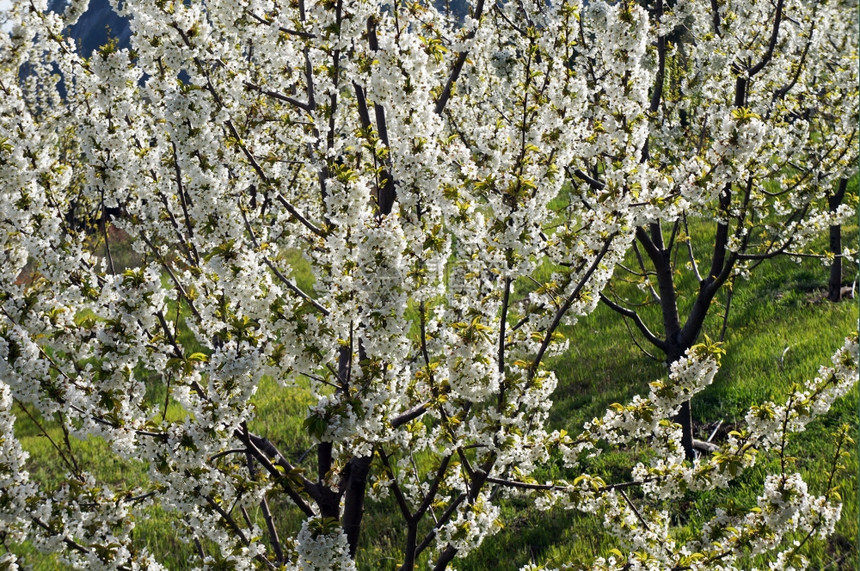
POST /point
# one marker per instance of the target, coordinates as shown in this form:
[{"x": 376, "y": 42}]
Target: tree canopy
[{"x": 425, "y": 163}]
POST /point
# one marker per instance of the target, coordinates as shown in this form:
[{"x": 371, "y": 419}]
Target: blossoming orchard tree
[
  {"x": 755, "y": 118},
  {"x": 418, "y": 159}
]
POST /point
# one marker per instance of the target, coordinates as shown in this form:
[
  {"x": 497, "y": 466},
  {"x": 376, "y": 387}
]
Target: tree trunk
[
  {"x": 353, "y": 508},
  {"x": 685, "y": 415},
  {"x": 677, "y": 339},
  {"x": 685, "y": 419},
  {"x": 411, "y": 546},
  {"x": 672, "y": 327},
  {"x": 834, "y": 284},
  {"x": 445, "y": 558}
]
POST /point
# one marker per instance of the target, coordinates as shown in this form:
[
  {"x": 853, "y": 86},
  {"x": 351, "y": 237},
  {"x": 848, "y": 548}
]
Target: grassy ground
[{"x": 780, "y": 330}]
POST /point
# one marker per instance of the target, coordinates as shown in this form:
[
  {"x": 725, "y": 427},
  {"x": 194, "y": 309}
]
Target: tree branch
[
  {"x": 410, "y": 414},
  {"x": 568, "y": 302},
  {"x": 772, "y": 43},
  {"x": 262, "y": 450},
  {"x": 458, "y": 65},
  {"x": 280, "y": 97},
  {"x": 626, "y": 312}
]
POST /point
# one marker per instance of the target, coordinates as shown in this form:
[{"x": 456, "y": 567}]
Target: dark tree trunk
[
  {"x": 353, "y": 508},
  {"x": 834, "y": 284},
  {"x": 685, "y": 416},
  {"x": 411, "y": 546},
  {"x": 685, "y": 419},
  {"x": 677, "y": 339},
  {"x": 353, "y": 477},
  {"x": 445, "y": 558},
  {"x": 328, "y": 502}
]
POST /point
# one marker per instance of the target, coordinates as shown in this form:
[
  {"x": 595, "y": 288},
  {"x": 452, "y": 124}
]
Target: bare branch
[
  {"x": 626, "y": 312},
  {"x": 280, "y": 97},
  {"x": 410, "y": 414}
]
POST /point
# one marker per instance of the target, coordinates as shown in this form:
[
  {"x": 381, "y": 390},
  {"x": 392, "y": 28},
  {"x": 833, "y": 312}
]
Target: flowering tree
[
  {"x": 755, "y": 113},
  {"x": 417, "y": 159}
]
